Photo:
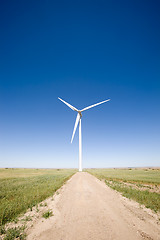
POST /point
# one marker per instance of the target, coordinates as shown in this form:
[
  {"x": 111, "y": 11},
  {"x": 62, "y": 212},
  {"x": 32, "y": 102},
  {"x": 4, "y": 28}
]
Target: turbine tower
[{"x": 78, "y": 120}]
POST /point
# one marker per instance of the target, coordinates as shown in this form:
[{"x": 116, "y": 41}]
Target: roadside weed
[{"x": 47, "y": 214}]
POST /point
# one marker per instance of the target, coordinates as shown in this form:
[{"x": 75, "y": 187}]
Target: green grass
[
  {"x": 25, "y": 188},
  {"x": 117, "y": 179}
]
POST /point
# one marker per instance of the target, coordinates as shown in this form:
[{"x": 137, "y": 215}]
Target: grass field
[
  {"x": 141, "y": 185},
  {"x": 21, "y": 189}
]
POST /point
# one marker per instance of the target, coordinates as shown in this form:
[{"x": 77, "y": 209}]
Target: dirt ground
[{"x": 86, "y": 209}]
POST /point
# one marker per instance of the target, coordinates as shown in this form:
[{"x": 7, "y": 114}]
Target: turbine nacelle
[{"x": 80, "y": 113}]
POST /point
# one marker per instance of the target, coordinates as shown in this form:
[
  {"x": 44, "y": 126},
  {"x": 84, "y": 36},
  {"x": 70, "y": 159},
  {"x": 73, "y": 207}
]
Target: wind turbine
[{"x": 78, "y": 120}]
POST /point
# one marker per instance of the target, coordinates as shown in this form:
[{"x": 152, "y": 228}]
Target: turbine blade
[
  {"x": 75, "y": 125},
  {"x": 94, "y": 105},
  {"x": 69, "y": 105}
]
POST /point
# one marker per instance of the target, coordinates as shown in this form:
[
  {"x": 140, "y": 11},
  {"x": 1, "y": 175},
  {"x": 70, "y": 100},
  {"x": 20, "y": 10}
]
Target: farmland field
[
  {"x": 21, "y": 189},
  {"x": 141, "y": 185}
]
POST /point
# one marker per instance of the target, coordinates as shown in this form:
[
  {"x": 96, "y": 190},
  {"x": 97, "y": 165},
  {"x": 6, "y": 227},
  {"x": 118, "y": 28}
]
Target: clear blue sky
[{"x": 83, "y": 52}]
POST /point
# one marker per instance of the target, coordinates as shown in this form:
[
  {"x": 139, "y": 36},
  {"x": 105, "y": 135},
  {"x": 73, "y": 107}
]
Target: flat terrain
[
  {"x": 86, "y": 208},
  {"x": 21, "y": 189},
  {"x": 139, "y": 184}
]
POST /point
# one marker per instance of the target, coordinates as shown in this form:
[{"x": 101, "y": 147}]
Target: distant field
[
  {"x": 21, "y": 189},
  {"x": 140, "y": 175},
  {"x": 142, "y": 185}
]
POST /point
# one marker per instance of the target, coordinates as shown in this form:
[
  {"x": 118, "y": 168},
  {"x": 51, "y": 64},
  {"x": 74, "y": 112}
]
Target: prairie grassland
[
  {"x": 141, "y": 185},
  {"x": 21, "y": 189}
]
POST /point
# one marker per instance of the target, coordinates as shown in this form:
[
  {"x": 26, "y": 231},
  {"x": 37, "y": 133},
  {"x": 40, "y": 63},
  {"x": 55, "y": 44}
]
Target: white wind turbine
[{"x": 78, "y": 120}]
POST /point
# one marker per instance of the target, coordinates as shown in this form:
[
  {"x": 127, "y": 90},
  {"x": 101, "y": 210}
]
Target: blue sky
[{"x": 83, "y": 52}]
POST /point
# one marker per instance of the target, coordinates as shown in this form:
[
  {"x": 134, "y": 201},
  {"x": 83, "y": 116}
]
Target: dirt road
[{"x": 87, "y": 209}]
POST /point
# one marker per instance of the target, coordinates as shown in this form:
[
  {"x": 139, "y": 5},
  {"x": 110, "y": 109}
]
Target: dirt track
[{"x": 87, "y": 209}]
